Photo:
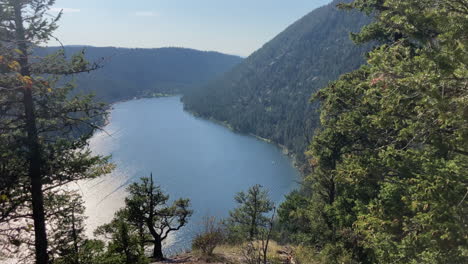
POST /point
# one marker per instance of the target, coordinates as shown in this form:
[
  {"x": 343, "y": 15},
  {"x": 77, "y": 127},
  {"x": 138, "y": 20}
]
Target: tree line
[
  {"x": 44, "y": 132},
  {"x": 389, "y": 177},
  {"x": 268, "y": 93},
  {"x": 388, "y": 181},
  {"x": 129, "y": 73}
]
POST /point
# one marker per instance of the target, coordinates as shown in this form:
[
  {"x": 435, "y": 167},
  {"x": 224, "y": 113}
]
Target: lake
[{"x": 188, "y": 156}]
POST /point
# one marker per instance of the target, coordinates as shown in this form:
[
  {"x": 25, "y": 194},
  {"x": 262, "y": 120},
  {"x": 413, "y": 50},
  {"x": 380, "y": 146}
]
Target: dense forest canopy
[
  {"x": 268, "y": 93},
  {"x": 385, "y": 136},
  {"x": 128, "y": 73},
  {"x": 390, "y": 162}
]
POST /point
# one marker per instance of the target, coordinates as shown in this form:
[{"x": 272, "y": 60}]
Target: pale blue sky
[{"x": 231, "y": 26}]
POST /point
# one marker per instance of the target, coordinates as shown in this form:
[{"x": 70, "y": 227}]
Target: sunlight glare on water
[{"x": 189, "y": 157}]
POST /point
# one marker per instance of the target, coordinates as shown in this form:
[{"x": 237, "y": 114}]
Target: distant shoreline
[
  {"x": 110, "y": 106},
  {"x": 287, "y": 152}
]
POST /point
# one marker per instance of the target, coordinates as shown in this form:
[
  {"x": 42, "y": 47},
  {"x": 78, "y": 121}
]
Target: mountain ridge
[
  {"x": 134, "y": 72},
  {"x": 268, "y": 93}
]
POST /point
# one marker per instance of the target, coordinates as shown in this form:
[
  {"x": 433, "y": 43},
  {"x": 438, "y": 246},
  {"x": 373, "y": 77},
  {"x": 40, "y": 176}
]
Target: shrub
[
  {"x": 305, "y": 255},
  {"x": 210, "y": 237}
]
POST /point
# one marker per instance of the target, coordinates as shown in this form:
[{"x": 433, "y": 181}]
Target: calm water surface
[{"x": 189, "y": 157}]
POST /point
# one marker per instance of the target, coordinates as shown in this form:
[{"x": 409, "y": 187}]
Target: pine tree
[
  {"x": 146, "y": 209},
  {"x": 390, "y": 162},
  {"x": 39, "y": 120},
  {"x": 250, "y": 215},
  {"x": 124, "y": 242}
]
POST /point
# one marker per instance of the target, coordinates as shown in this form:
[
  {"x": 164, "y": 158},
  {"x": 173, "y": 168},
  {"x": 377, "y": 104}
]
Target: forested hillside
[
  {"x": 268, "y": 93},
  {"x": 390, "y": 161},
  {"x": 128, "y": 73},
  {"x": 388, "y": 179}
]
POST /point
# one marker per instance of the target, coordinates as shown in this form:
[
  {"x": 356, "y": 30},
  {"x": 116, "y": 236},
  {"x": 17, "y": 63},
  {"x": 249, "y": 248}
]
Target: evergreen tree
[
  {"x": 267, "y": 94},
  {"x": 147, "y": 210},
  {"x": 39, "y": 122},
  {"x": 250, "y": 215},
  {"x": 390, "y": 161},
  {"x": 124, "y": 241},
  {"x": 65, "y": 215}
]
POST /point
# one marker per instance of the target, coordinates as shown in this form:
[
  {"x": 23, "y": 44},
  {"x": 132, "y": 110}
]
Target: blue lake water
[{"x": 188, "y": 156}]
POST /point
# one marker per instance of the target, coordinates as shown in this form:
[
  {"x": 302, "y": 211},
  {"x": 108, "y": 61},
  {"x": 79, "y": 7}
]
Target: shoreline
[
  {"x": 287, "y": 152},
  {"x": 110, "y": 106}
]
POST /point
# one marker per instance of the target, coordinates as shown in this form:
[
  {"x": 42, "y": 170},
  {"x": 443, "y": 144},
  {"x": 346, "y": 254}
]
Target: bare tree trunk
[
  {"x": 270, "y": 230},
  {"x": 36, "y": 182},
  {"x": 253, "y": 224},
  {"x": 33, "y": 145},
  {"x": 75, "y": 239},
  {"x": 157, "y": 242},
  {"x": 157, "y": 251},
  {"x": 141, "y": 235}
]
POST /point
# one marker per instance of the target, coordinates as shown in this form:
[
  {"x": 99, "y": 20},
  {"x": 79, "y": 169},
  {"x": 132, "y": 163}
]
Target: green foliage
[
  {"x": 147, "y": 203},
  {"x": 294, "y": 224},
  {"x": 39, "y": 123},
  {"x": 249, "y": 218},
  {"x": 305, "y": 255},
  {"x": 129, "y": 73},
  {"x": 91, "y": 252},
  {"x": 391, "y": 161},
  {"x": 66, "y": 228},
  {"x": 124, "y": 244},
  {"x": 268, "y": 93},
  {"x": 147, "y": 218}
]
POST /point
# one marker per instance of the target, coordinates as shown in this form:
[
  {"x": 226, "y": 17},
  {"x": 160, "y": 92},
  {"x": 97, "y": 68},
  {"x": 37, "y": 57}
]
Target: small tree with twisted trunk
[{"x": 148, "y": 211}]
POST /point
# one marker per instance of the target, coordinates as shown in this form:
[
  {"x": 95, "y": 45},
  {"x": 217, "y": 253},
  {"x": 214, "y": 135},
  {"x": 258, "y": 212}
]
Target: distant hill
[
  {"x": 129, "y": 73},
  {"x": 268, "y": 93}
]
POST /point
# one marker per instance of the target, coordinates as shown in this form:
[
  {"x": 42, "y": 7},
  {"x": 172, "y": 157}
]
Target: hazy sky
[{"x": 231, "y": 26}]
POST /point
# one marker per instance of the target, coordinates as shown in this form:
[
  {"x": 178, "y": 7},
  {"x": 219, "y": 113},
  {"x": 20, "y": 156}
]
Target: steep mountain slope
[
  {"x": 127, "y": 73},
  {"x": 268, "y": 93}
]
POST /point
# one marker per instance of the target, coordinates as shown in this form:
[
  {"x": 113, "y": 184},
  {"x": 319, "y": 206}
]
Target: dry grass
[
  {"x": 305, "y": 255},
  {"x": 233, "y": 254}
]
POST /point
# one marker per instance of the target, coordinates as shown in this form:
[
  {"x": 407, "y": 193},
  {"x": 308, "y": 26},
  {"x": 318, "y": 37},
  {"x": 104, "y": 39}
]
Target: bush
[
  {"x": 211, "y": 236},
  {"x": 305, "y": 255}
]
